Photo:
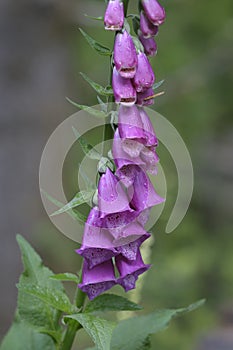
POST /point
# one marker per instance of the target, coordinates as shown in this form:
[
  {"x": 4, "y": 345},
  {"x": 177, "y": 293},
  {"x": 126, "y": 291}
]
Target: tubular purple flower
[
  {"x": 145, "y": 98},
  {"x": 97, "y": 244},
  {"x": 130, "y": 270},
  {"x": 151, "y": 139},
  {"x": 146, "y": 197},
  {"x": 154, "y": 11},
  {"x": 149, "y": 44},
  {"x": 114, "y": 15},
  {"x": 129, "y": 251},
  {"x": 147, "y": 28},
  {"x": 123, "y": 89},
  {"x": 111, "y": 196},
  {"x": 98, "y": 279},
  {"x": 130, "y": 125},
  {"x": 151, "y": 159},
  {"x": 125, "y": 55},
  {"x": 144, "y": 77}
]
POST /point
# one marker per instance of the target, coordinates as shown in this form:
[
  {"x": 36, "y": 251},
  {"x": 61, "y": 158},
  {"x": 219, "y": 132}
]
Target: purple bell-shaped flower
[
  {"x": 123, "y": 89},
  {"x": 130, "y": 270},
  {"x": 154, "y": 11},
  {"x": 148, "y": 29},
  {"x": 114, "y": 15},
  {"x": 97, "y": 280},
  {"x": 145, "y": 98},
  {"x": 144, "y": 77},
  {"x": 125, "y": 55},
  {"x": 151, "y": 139}
]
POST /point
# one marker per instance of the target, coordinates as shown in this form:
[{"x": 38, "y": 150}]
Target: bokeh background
[{"x": 41, "y": 54}]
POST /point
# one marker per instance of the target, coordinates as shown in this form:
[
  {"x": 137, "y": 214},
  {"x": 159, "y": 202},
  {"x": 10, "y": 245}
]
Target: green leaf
[
  {"x": 89, "y": 184},
  {"x": 80, "y": 198},
  {"x": 74, "y": 214},
  {"x": 57, "y": 299},
  {"x": 100, "y": 18},
  {"x": 23, "y": 337},
  {"x": 111, "y": 302},
  {"x": 90, "y": 110},
  {"x": 32, "y": 310},
  {"x": 157, "y": 85},
  {"x": 132, "y": 334},
  {"x": 102, "y": 50},
  {"x": 69, "y": 277},
  {"x": 104, "y": 106},
  {"x": 107, "y": 91},
  {"x": 99, "y": 330},
  {"x": 87, "y": 148}
]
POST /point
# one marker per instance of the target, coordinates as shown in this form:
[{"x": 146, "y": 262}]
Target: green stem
[
  {"x": 126, "y": 4},
  {"x": 70, "y": 334}
]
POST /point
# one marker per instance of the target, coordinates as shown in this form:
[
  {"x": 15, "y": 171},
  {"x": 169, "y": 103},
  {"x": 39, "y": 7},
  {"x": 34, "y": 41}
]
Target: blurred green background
[{"x": 41, "y": 54}]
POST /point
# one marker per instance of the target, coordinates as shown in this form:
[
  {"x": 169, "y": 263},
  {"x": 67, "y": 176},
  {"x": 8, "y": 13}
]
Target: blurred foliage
[{"x": 195, "y": 59}]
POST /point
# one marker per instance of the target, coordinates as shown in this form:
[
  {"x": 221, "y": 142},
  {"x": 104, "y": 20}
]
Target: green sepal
[
  {"x": 102, "y": 50},
  {"x": 100, "y": 18},
  {"x": 157, "y": 85},
  {"x": 103, "y": 91},
  {"x": 79, "y": 199},
  {"x": 66, "y": 277},
  {"x": 111, "y": 302}
]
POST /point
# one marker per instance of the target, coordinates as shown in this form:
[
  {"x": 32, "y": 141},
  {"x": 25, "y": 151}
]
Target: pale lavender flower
[
  {"x": 148, "y": 29},
  {"x": 154, "y": 11},
  {"x": 149, "y": 44},
  {"x": 151, "y": 159},
  {"x": 130, "y": 270},
  {"x": 130, "y": 125},
  {"x": 123, "y": 89},
  {"x": 125, "y": 55},
  {"x": 114, "y": 15},
  {"x": 97, "y": 280},
  {"x": 151, "y": 139},
  {"x": 144, "y": 77}
]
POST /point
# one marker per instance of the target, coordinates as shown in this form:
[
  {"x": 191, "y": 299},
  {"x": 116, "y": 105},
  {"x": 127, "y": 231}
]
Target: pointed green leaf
[
  {"x": 74, "y": 214},
  {"x": 102, "y": 50},
  {"x": 80, "y": 198},
  {"x": 22, "y": 337},
  {"x": 107, "y": 91},
  {"x": 100, "y": 18},
  {"x": 104, "y": 106},
  {"x": 111, "y": 302},
  {"x": 90, "y": 110},
  {"x": 57, "y": 299},
  {"x": 87, "y": 148},
  {"x": 66, "y": 277},
  {"x": 157, "y": 85},
  {"x": 99, "y": 330},
  {"x": 32, "y": 310},
  {"x": 89, "y": 184},
  {"x": 133, "y": 333}
]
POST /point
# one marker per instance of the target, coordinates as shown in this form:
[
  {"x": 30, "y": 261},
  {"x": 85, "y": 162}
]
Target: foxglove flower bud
[
  {"x": 149, "y": 44},
  {"x": 154, "y": 11},
  {"x": 125, "y": 55},
  {"x": 98, "y": 279},
  {"x": 114, "y": 15},
  {"x": 123, "y": 89},
  {"x": 151, "y": 139},
  {"x": 144, "y": 77},
  {"x": 130, "y": 270},
  {"x": 111, "y": 196},
  {"x": 147, "y": 28},
  {"x": 145, "y": 98}
]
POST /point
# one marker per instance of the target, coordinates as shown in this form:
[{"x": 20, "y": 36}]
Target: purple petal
[
  {"x": 111, "y": 196},
  {"x": 144, "y": 217},
  {"x": 125, "y": 55},
  {"x": 149, "y": 45},
  {"x": 147, "y": 28},
  {"x": 129, "y": 250},
  {"x": 130, "y": 270},
  {"x": 150, "y": 157},
  {"x": 151, "y": 139},
  {"x": 98, "y": 279},
  {"x": 114, "y": 15},
  {"x": 130, "y": 125},
  {"x": 144, "y": 77},
  {"x": 123, "y": 89},
  {"x": 154, "y": 11},
  {"x": 96, "y": 256},
  {"x": 145, "y": 98},
  {"x": 127, "y": 233}
]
